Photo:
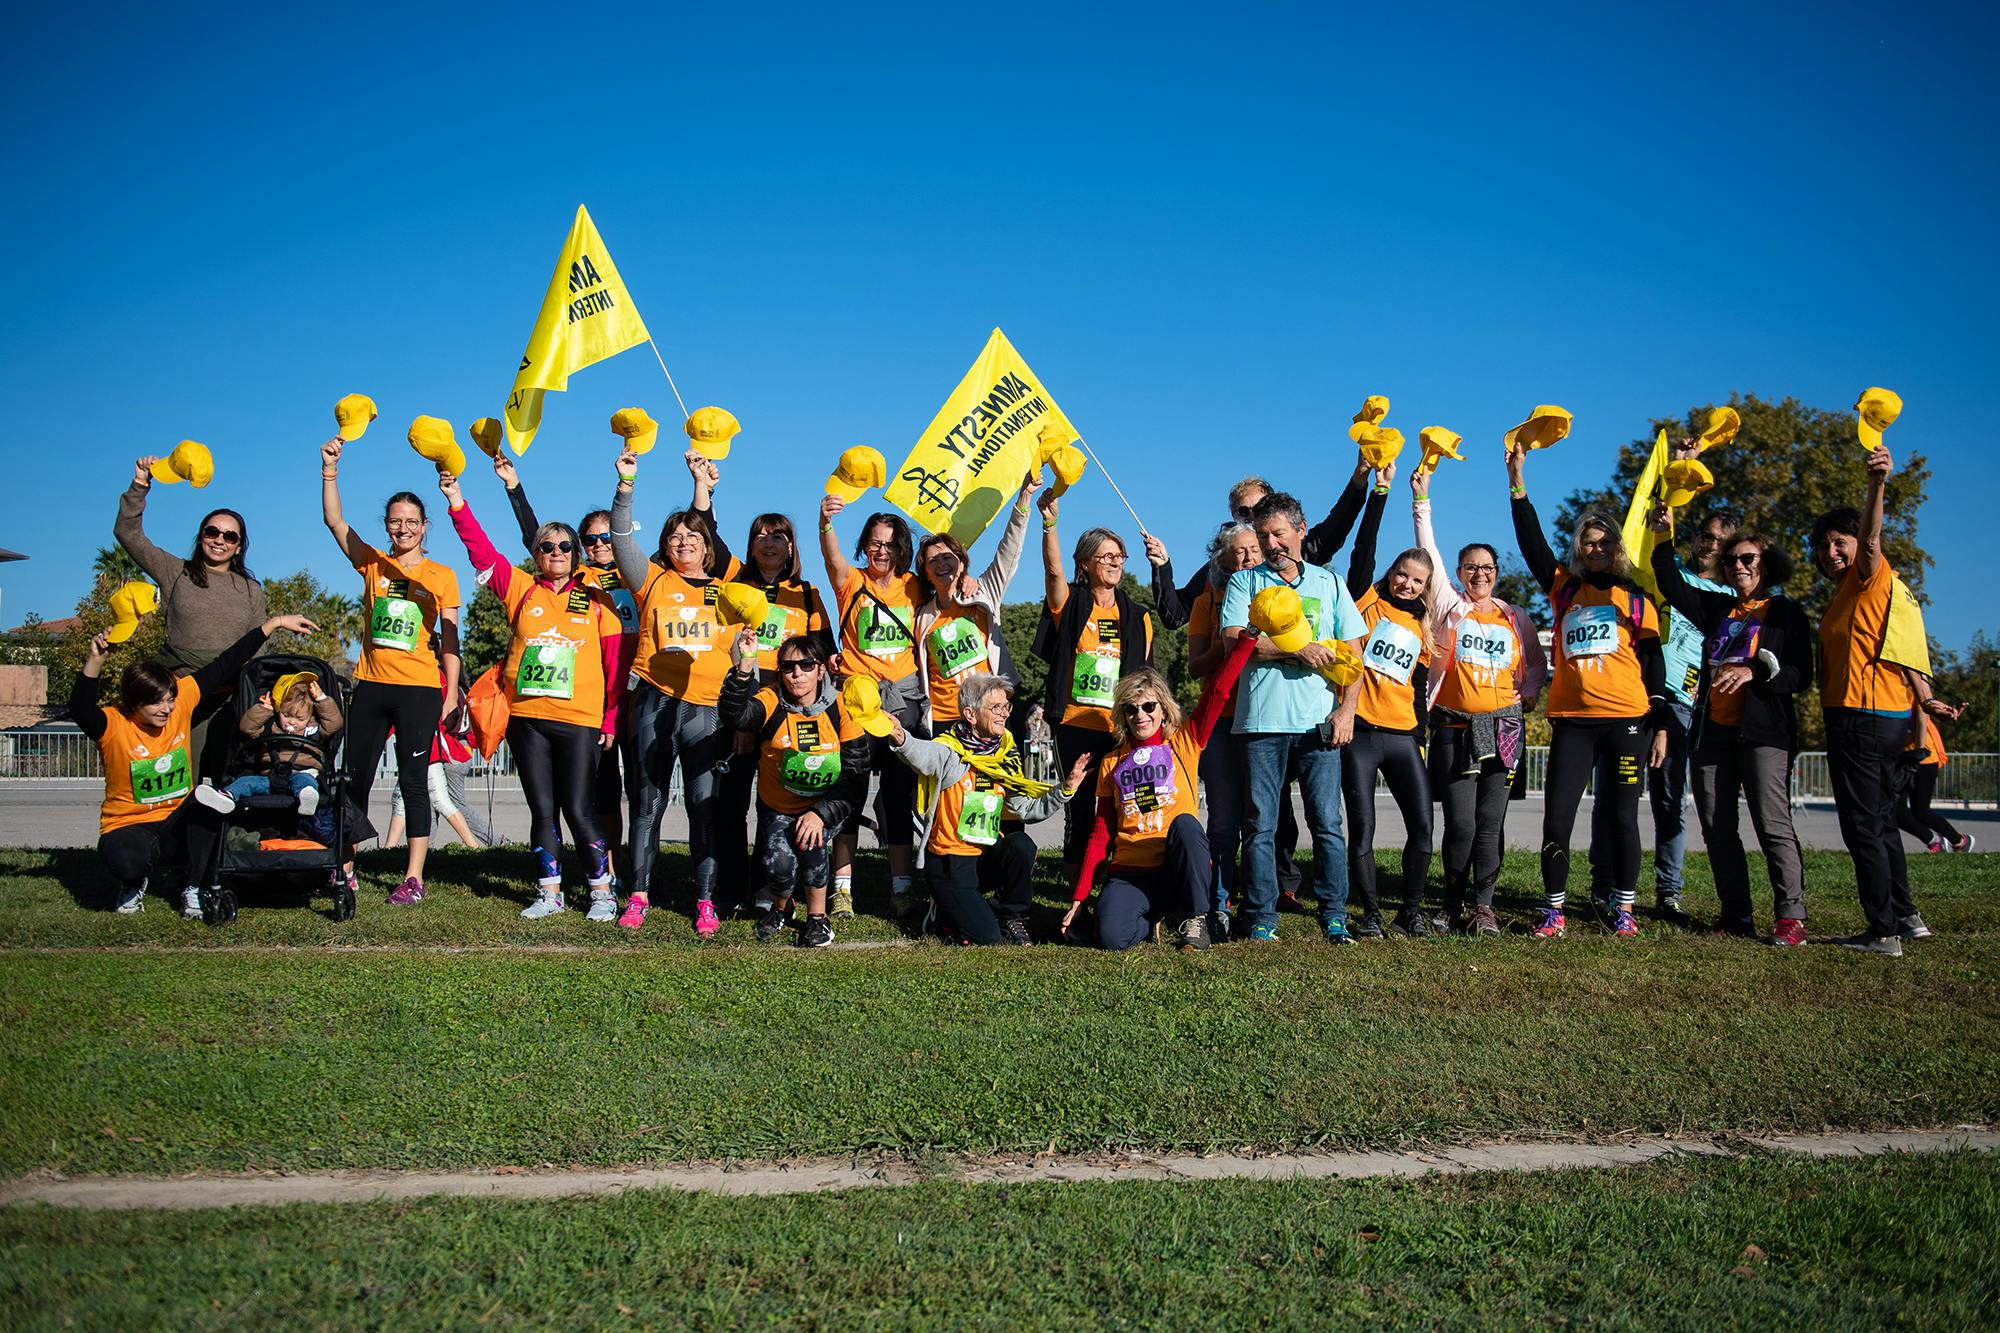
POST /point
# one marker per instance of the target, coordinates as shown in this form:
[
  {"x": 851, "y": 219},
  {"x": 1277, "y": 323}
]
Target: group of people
[{"x": 625, "y": 662}]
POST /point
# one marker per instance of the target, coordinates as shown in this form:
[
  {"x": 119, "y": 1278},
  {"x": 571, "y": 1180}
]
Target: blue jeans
[
  {"x": 256, "y": 784},
  {"x": 1266, "y": 757},
  {"x": 1666, "y": 787}
]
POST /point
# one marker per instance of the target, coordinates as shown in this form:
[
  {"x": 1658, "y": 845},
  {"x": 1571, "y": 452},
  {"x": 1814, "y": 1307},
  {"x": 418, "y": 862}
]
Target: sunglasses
[
  {"x": 1745, "y": 558},
  {"x": 553, "y": 548},
  {"x": 798, "y": 666},
  {"x": 1147, "y": 706},
  {"x": 597, "y": 538},
  {"x": 215, "y": 534}
]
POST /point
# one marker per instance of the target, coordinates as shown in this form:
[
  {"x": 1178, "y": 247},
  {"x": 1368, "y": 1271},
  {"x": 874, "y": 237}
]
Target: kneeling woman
[
  {"x": 1147, "y": 815},
  {"x": 146, "y": 823},
  {"x": 812, "y": 771},
  {"x": 560, "y": 715}
]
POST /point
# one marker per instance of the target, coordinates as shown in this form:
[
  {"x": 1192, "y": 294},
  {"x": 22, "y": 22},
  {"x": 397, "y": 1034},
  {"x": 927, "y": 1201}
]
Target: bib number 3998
[{"x": 1095, "y": 678}]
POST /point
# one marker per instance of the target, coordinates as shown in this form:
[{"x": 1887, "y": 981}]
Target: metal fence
[{"x": 1966, "y": 779}]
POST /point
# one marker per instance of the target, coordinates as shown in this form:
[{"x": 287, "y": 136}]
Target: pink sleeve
[
  {"x": 1534, "y": 673},
  {"x": 484, "y": 558},
  {"x": 613, "y": 646},
  {"x": 1216, "y": 692}
]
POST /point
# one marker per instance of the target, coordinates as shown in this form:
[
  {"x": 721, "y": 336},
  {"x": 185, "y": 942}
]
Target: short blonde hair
[{"x": 1144, "y": 681}]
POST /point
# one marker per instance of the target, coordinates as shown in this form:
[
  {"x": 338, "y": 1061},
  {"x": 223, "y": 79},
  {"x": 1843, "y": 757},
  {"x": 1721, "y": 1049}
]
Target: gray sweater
[{"x": 201, "y": 622}]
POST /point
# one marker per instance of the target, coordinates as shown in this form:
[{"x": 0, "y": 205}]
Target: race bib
[
  {"x": 1488, "y": 647},
  {"x": 804, "y": 774},
  {"x": 627, "y": 608},
  {"x": 886, "y": 632},
  {"x": 684, "y": 629},
  {"x": 775, "y": 629},
  {"x": 979, "y": 818},
  {"x": 1094, "y": 678},
  {"x": 955, "y": 646},
  {"x": 393, "y": 622},
  {"x": 1391, "y": 651},
  {"x": 547, "y": 671},
  {"x": 1590, "y": 631},
  {"x": 1734, "y": 641},
  {"x": 165, "y": 778},
  {"x": 1310, "y": 606},
  {"x": 1145, "y": 778}
]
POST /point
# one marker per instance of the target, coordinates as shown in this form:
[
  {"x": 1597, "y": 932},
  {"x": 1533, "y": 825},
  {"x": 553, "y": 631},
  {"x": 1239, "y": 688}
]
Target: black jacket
[
  {"x": 740, "y": 709},
  {"x": 1782, "y": 668}
]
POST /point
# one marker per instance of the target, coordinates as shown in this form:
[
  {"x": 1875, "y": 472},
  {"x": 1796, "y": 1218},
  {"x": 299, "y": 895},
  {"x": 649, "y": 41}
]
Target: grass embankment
[
  {"x": 1757, "y": 1243},
  {"x": 175, "y": 1059}
]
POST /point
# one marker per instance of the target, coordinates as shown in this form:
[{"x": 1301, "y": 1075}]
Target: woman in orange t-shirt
[{"x": 411, "y": 645}]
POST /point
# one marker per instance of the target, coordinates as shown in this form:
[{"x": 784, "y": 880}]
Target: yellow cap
[
  {"x": 282, "y": 686},
  {"x": 1052, "y": 438},
  {"x": 1544, "y": 426},
  {"x": 1281, "y": 618},
  {"x": 861, "y": 700},
  {"x": 1683, "y": 479},
  {"x": 1723, "y": 423},
  {"x": 1345, "y": 668},
  {"x": 859, "y": 471},
  {"x": 128, "y": 603},
  {"x": 190, "y": 461},
  {"x": 485, "y": 433},
  {"x": 1878, "y": 409},
  {"x": 433, "y": 440},
  {"x": 1379, "y": 444},
  {"x": 1438, "y": 443},
  {"x": 1068, "y": 464},
  {"x": 1373, "y": 409},
  {"x": 352, "y": 415},
  {"x": 712, "y": 429},
  {"x": 741, "y": 604},
  {"x": 638, "y": 429}
]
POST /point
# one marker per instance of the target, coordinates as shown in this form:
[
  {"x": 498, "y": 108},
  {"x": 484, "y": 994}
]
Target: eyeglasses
[
  {"x": 552, "y": 548},
  {"x": 772, "y": 535},
  {"x": 1479, "y": 569},
  {"x": 1110, "y": 558},
  {"x": 686, "y": 539},
  {"x": 878, "y": 546},
  {"x": 597, "y": 539},
  {"x": 798, "y": 666},
  {"x": 1146, "y": 706},
  {"x": 216, "y": 534},
  {"x": 1746, "y": 558},
  {"x": 403, "y": 524}
]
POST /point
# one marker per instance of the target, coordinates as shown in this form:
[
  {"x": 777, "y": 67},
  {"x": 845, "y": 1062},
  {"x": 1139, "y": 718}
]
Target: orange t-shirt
[
  {"x": 404, "y": 608},
  {"x": 1850, "y": 638},
  {"x": 1733, "y": 643},
  {"x": 1201, "y": 616},
  {"x": 955, "y": 646},
  {"x": 1390, "y": 656},
  {"x": 1099, "y": 662},
  {"x": 1596, "y": 671},
  {"x": 555, "y": 669},
  {"x": 1151, "y": 786},
  {"x": 801, "y": 761},
  {"x": 794, "y": 610},
  {"x": 1485, "y": 650},
  {"x": 969, "y": 812},
  {"x": 147, "y": 774},
  {"x": 874, "y": 641},
  {"x": 683, "y": 648}
]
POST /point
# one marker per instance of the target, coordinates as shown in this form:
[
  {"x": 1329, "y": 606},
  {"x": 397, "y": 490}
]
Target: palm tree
[{"x": 114, "y": 566}]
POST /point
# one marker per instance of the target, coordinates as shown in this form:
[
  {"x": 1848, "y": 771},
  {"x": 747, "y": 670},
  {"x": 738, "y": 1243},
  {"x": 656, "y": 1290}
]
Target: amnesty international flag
[
  {"x": 979, "y": 447},
  {"x": 1638, "y": 532},
  {"x": 587, "y": 315}
]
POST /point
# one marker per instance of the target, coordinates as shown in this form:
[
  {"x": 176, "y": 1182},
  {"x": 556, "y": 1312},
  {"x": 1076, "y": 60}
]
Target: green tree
[
  {"x": 485, "y": 635},
  {"x": 114, "y": 565},
  {"x": 1972, "y": 680}
]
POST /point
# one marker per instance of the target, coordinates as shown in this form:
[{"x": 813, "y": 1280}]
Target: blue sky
[{"x": 1211, "y": 231}]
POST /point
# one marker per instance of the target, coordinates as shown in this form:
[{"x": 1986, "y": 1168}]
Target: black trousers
[
  {"x": 1475, "y": 818},
  {"x": 731, "y": 823},
  {"x": 616, "y": 786},
  {"x": 1862, "y": 750},
  {"x": 412, "y": 712},
  {"x": 960, "y": 885},
  {"x": 1394, "y": 755},
  {"x": 1081, "y": 812},
  {"x": 184, "y": 841},
  {"x": 557, "y": 764},
  {"x": 1615, "y": 750},
  {"x": 1134, "y": 898}
]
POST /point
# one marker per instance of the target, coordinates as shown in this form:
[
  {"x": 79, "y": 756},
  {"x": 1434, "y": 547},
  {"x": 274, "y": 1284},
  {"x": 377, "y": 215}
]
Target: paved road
[{"x": 64, "y": 814}]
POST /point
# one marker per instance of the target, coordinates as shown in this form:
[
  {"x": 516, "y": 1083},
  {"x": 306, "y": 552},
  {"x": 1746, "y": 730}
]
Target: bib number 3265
[{"x": 393, "y": 623}]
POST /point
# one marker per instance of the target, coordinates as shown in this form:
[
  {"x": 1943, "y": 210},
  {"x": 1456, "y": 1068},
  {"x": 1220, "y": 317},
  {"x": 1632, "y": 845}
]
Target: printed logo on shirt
[{"x": 579, "y": 601}]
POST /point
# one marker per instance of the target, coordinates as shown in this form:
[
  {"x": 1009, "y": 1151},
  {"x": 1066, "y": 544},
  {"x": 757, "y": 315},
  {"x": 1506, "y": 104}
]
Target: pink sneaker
[
  {"x": 409, "y": 891},
  {"x": 1624, "y": 926},
  {"x": 1788, "y": 934},
  {"x": 634, "y": 914},
  {"x": 706, "y": 922}
]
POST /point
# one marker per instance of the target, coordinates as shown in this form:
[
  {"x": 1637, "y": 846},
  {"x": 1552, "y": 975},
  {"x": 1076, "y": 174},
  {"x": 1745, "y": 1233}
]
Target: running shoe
[
  {"x": 634, "y": 914},
  {"x": 1741, "y": 930},
  {"x": 190, "y": 903},
  {"x": 1288, "y": 901},
  {"x": 1265, "y": 932},
  {"x": 1336, "y": 931},
  {"x": 817, "y": 933},
  {"x": 1220, "y": 926},
  {"x": 1015, "y": 928},
  {"x": 409, "y": 891},
  {"x": 1411, "y": 924},
  {"x": 1937, "y": 845},
  {"x": 1624, "y": 926},
  {"x": 907, "y": 905},
  {"x": 706, "y": 922},
  {"x": 1670, "y": 910},
  {"x": 772, "y": 924},
  {"x": 135, "y": 901},
  {"x": 1194, "y": 933},
  {"x": 1788, "y": 934},
  {"x": 603, "y": 905},
  {"x": 1912, "y": 927},
  {"x": 1484, "y": 922},
  {"x": 549, "y": 902},
  {"x": 1552, "y": 924},
  {"x": 1369, "y": 926},
  {"x": 843, "y": 902},
  {"x": 1964, "y": 844},
  {"x": 1884, "y": 946}
]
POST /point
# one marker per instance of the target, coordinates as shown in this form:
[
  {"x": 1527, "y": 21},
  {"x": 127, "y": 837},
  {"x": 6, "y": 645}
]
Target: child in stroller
[{"x": 294, "y": 707}]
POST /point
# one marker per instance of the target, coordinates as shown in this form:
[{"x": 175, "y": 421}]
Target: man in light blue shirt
[{"x": 1285, "y": 719}]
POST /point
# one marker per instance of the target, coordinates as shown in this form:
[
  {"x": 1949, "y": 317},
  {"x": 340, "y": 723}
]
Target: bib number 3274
[{"x": 548, "y": 671}]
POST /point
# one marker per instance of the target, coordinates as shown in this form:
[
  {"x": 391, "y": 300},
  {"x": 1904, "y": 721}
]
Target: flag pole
[
  {"x": 685, "y": 414},
  {"x": 1143, "y": 531}
]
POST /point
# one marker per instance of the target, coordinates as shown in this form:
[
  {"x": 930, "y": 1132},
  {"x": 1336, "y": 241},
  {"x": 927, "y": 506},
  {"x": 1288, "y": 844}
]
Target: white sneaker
[
  {"x": 603, "y": 906},
  {"x": 191, "y": 903},
  {"x": 308, "y": 800},
  {"x": 548, "y": 904},
  {"x": 132, "y": 902},
  {"x": 215, "y": 798}
]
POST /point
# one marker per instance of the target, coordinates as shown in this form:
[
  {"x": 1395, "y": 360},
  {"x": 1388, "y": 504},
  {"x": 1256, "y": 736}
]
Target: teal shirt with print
[{"x": 1283, "y": 696}]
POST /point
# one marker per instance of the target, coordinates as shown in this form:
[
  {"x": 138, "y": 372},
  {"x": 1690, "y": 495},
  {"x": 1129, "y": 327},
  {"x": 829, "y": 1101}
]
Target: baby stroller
[{"x": 265, "y": 835}]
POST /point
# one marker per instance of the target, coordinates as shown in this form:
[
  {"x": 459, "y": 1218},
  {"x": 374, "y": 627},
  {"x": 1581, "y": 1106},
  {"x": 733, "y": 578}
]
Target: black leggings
[
  {"x": 1081, "y": 812},
  {"x": 615, "y": 786},
  {"x": 557, "y": 763},
  {"x": 1914, "y": 814},
  {"x": 1615, "y": 749},
  {"x": 412, "y": 712},
  {"x": 1394, "y": 755},
  {"x": 184, "y": 840},
  {"x": 1475, "y": 818}
]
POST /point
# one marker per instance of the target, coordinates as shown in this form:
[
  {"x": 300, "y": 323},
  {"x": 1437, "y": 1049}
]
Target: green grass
[
  {"x": 1695, "y": 1244},
  {"x": 173, "y": 1059}
]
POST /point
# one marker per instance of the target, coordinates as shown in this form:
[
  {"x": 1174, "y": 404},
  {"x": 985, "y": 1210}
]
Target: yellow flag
[
  {"x": 979, "y": 447},
  {"x": 587, "y": 315},
  {"x": 1638, "y": 534}
]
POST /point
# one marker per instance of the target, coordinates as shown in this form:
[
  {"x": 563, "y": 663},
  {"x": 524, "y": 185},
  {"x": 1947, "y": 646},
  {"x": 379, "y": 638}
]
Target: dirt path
[{"x": 818, "y": 1175}]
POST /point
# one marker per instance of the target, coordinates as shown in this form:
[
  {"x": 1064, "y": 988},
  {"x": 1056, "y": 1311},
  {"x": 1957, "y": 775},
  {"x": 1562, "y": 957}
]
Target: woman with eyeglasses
[
  {"x": 812, "y": 766},
  {"x": 878, "y": 617},
  {"x": 1234, "y": 546},
  {"x": 560, "y": 715},
  {"x": 210, "y": 599},
  {"x": 1147, "y": 816},
  {"x": 958, "y": 616},
  {"x": 408, "y": 675},
  {"x": 1756, "y": 657},
  {"x": 1487, "y": 667},
  {"x": 1092, "y": 635}
]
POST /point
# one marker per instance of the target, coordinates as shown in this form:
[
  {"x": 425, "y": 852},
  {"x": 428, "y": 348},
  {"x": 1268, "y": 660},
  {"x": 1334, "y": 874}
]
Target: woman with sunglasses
[
  {"x": 812, "y": 766},
  {"x": 1234, "y": 546},
  {"x": 1487, "y": 667},
  {"x": 410, "y": 646},
  {"x": 878, "y": 614},
  {"x": 958, "y": 616},
  {"x": 1092, "y": 635},
  {"x": 1147, "y": 811},
  {"x": 210, "y": 599},
  {"x": 1757, "y": 655},
  {"x": 682, "y": 656},
  {"x": 560, "y": 715}
]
